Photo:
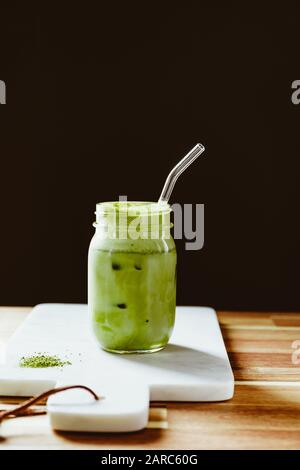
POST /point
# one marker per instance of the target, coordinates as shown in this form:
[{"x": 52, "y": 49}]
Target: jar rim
[
  {"x": 123, "y": 214},
  {"x": 132, "y": 208}
]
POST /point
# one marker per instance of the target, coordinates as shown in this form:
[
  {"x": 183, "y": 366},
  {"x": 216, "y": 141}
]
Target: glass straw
[{"x": 177, "y": 170}]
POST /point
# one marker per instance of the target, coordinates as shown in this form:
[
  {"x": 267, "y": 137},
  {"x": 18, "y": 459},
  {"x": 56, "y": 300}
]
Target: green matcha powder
[{"x": 42, "y": 360}]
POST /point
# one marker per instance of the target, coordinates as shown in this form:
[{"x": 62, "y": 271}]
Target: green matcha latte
[{"x": 132, "y": 276}]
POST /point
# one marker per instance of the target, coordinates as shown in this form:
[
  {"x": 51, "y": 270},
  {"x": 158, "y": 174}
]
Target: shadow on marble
[{"x": 180, "y": 359}]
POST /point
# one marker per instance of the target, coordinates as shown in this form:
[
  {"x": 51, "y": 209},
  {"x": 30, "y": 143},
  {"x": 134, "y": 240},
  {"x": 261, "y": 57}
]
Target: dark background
[{"x": 104, "y": 100}]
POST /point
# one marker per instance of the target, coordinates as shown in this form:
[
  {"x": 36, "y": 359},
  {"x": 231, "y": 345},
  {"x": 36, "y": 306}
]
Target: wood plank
[
  {"x": 272, "y": 359},
  {"x": 286, "y": 322},
  {"x": 246, "y": 318},
  {"x": 255, "y": 346},
  {"x": 259, "y": 334},
  {"x": 223, "y": 314},
  {"x": 266, "y": 374}
]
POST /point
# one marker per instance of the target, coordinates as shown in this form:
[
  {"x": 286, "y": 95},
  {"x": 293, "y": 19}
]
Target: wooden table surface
[{"x": 264, "y": 413}]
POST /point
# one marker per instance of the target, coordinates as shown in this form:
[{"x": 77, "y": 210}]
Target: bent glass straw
[{"x": 177, "y": 170}]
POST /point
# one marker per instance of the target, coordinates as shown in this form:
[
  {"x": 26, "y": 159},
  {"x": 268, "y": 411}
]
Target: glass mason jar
[{"x": 132, "y": 276}]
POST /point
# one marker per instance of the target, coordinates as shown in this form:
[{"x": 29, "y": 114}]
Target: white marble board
[{"x": 193, "y": 367}]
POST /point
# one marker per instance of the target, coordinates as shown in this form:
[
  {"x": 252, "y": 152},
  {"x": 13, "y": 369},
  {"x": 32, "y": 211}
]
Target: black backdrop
[{"x": 102, "y": 101}]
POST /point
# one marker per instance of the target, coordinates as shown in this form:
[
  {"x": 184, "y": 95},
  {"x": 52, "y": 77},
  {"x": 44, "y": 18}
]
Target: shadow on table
[{"x": 137, "y": 439}]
